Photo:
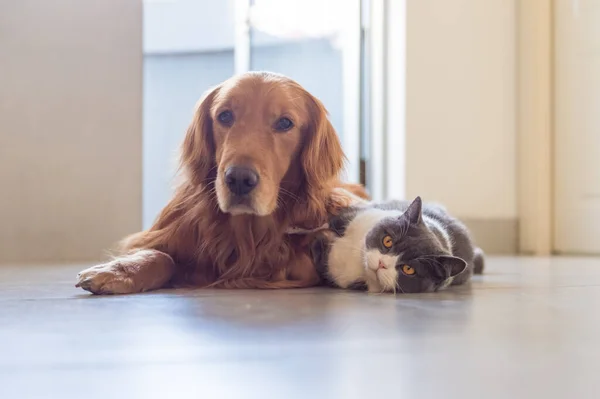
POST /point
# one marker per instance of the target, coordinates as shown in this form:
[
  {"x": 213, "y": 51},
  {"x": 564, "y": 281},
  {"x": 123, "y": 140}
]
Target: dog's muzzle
[{"x": 241, "y": 180}]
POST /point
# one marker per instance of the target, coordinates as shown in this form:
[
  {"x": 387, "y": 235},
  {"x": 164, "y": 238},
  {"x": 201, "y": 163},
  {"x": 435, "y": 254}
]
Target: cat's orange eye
[
  {"x": 387, "y": 241},
  {"x": 409, "y": 271}
]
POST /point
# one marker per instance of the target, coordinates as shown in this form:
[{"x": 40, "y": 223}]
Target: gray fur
[
  {"x": 339, "y": 223},
  {"x": 436, "y": 245}
]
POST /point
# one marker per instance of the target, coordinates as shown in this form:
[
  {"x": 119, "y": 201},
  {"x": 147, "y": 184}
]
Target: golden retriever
[{"x": 260, "y": 157}]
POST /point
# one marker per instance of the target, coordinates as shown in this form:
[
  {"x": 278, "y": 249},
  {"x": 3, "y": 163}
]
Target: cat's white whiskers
[
  {"x": 397, "y": 286},
  {"x": 390, "y": 282}
]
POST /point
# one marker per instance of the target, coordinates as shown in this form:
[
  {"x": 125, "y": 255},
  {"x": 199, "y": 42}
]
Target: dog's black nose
[{"x": 240, "y": 180}]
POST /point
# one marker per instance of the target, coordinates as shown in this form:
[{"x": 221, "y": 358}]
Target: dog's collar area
[{"x": 299, "y": 230}]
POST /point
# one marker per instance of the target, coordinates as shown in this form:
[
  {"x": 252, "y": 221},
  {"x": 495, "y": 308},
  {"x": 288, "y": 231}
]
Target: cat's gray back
[{"x": 340, "y": 222}]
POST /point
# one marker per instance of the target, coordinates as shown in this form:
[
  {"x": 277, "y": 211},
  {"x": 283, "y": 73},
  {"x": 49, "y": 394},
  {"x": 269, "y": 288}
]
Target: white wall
[
  {"x": 577, "y": 126},
  {"x": 461, "y": 105},
  {"x": 193, "y": 26},
  {"x": 70, "y": 127},
  {"x": 188, "y": 26}
]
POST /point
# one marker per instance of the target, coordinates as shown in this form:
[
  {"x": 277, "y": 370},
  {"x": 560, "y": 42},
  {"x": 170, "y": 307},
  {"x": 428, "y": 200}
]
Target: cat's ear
[
  {"x": 452, "y": 265},
  {"x": 413, "y": 212}
]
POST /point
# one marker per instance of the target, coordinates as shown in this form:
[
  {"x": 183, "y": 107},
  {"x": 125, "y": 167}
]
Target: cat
[{"x": 396, "y": 247}]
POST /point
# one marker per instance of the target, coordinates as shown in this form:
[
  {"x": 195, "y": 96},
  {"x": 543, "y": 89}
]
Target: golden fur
[{"x": 209, "y": 241}]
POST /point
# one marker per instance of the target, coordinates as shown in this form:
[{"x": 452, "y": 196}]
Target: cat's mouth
[
  {"x": 381, "y": 280},
  {"x": 380, "y": 272}
]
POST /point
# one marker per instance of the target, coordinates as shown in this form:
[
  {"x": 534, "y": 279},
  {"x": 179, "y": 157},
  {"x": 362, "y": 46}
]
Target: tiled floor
[{"x": 529, "y": 328}]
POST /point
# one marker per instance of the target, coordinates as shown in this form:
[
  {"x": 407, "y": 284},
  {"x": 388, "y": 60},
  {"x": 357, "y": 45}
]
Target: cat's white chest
[{"x": 346, "y": 259}]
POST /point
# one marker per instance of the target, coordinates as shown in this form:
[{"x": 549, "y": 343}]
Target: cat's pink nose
[{"x": 381, "y": 265}]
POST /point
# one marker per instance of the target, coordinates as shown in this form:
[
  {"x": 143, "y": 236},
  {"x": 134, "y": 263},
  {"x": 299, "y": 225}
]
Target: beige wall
[
  {"x": 70, "y": 127},
  {"x": 461, "y": 104},
  {"x": 535, "y": 125},
  {"x": 577, "y": 126}
]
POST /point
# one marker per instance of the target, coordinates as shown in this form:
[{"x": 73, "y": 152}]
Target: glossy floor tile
[{"x": 528, "y": 328}]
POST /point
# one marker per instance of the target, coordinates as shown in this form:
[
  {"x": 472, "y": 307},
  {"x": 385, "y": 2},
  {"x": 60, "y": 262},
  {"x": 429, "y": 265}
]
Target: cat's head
[{"x": 404, "y": 255}]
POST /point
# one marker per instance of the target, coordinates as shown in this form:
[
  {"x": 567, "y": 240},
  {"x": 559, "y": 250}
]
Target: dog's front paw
[
  {"x": 146, "y": 269},
  {"x": 108, "y": 278}
]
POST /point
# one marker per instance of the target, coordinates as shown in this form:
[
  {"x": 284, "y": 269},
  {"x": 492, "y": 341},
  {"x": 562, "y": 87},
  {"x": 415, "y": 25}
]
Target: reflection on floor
[{"x": 528, "y": 328}]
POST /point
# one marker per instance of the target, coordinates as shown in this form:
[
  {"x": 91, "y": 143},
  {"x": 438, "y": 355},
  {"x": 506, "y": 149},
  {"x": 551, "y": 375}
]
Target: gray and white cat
[{"x": 396, "y": 247}]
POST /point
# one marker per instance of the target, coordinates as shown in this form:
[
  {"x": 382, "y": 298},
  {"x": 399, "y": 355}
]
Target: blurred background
[{"x": 490, "y": 107}]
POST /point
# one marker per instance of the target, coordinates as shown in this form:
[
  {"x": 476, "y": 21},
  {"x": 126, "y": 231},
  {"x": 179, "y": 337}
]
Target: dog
[{"x": 259, "y": 158}]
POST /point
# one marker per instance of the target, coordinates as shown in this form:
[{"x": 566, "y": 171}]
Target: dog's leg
[
  {"x": 140, "y": 271},
  {"x": 302, "y": 271}
]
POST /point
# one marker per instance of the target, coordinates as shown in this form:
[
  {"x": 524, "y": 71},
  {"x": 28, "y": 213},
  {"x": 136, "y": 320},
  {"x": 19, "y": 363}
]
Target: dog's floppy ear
[
  {"x": 321, "y": 160},
  {"x": 198, "y": 148},
  {"x": 322, "y": 155}
]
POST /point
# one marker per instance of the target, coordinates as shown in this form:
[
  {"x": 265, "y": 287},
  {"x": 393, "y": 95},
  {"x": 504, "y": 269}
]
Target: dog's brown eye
[
  {"x": 225, "y": 117},
  {"x": 283, "y": 125}
]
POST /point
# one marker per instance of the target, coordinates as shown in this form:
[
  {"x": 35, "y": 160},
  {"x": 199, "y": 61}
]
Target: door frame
[
  {"x": 535, "y": 128},
  {"x": 386, "y": 33}
]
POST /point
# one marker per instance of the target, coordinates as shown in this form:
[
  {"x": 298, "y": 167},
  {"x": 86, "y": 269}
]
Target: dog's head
[{"x": 258, "y": 137}]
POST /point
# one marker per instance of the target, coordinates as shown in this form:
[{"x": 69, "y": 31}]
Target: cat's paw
[{"x": 108, "y": 278}]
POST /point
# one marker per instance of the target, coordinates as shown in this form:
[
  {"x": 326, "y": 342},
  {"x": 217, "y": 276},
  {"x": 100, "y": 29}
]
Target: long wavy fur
[{"x": 211, "y": 248}]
